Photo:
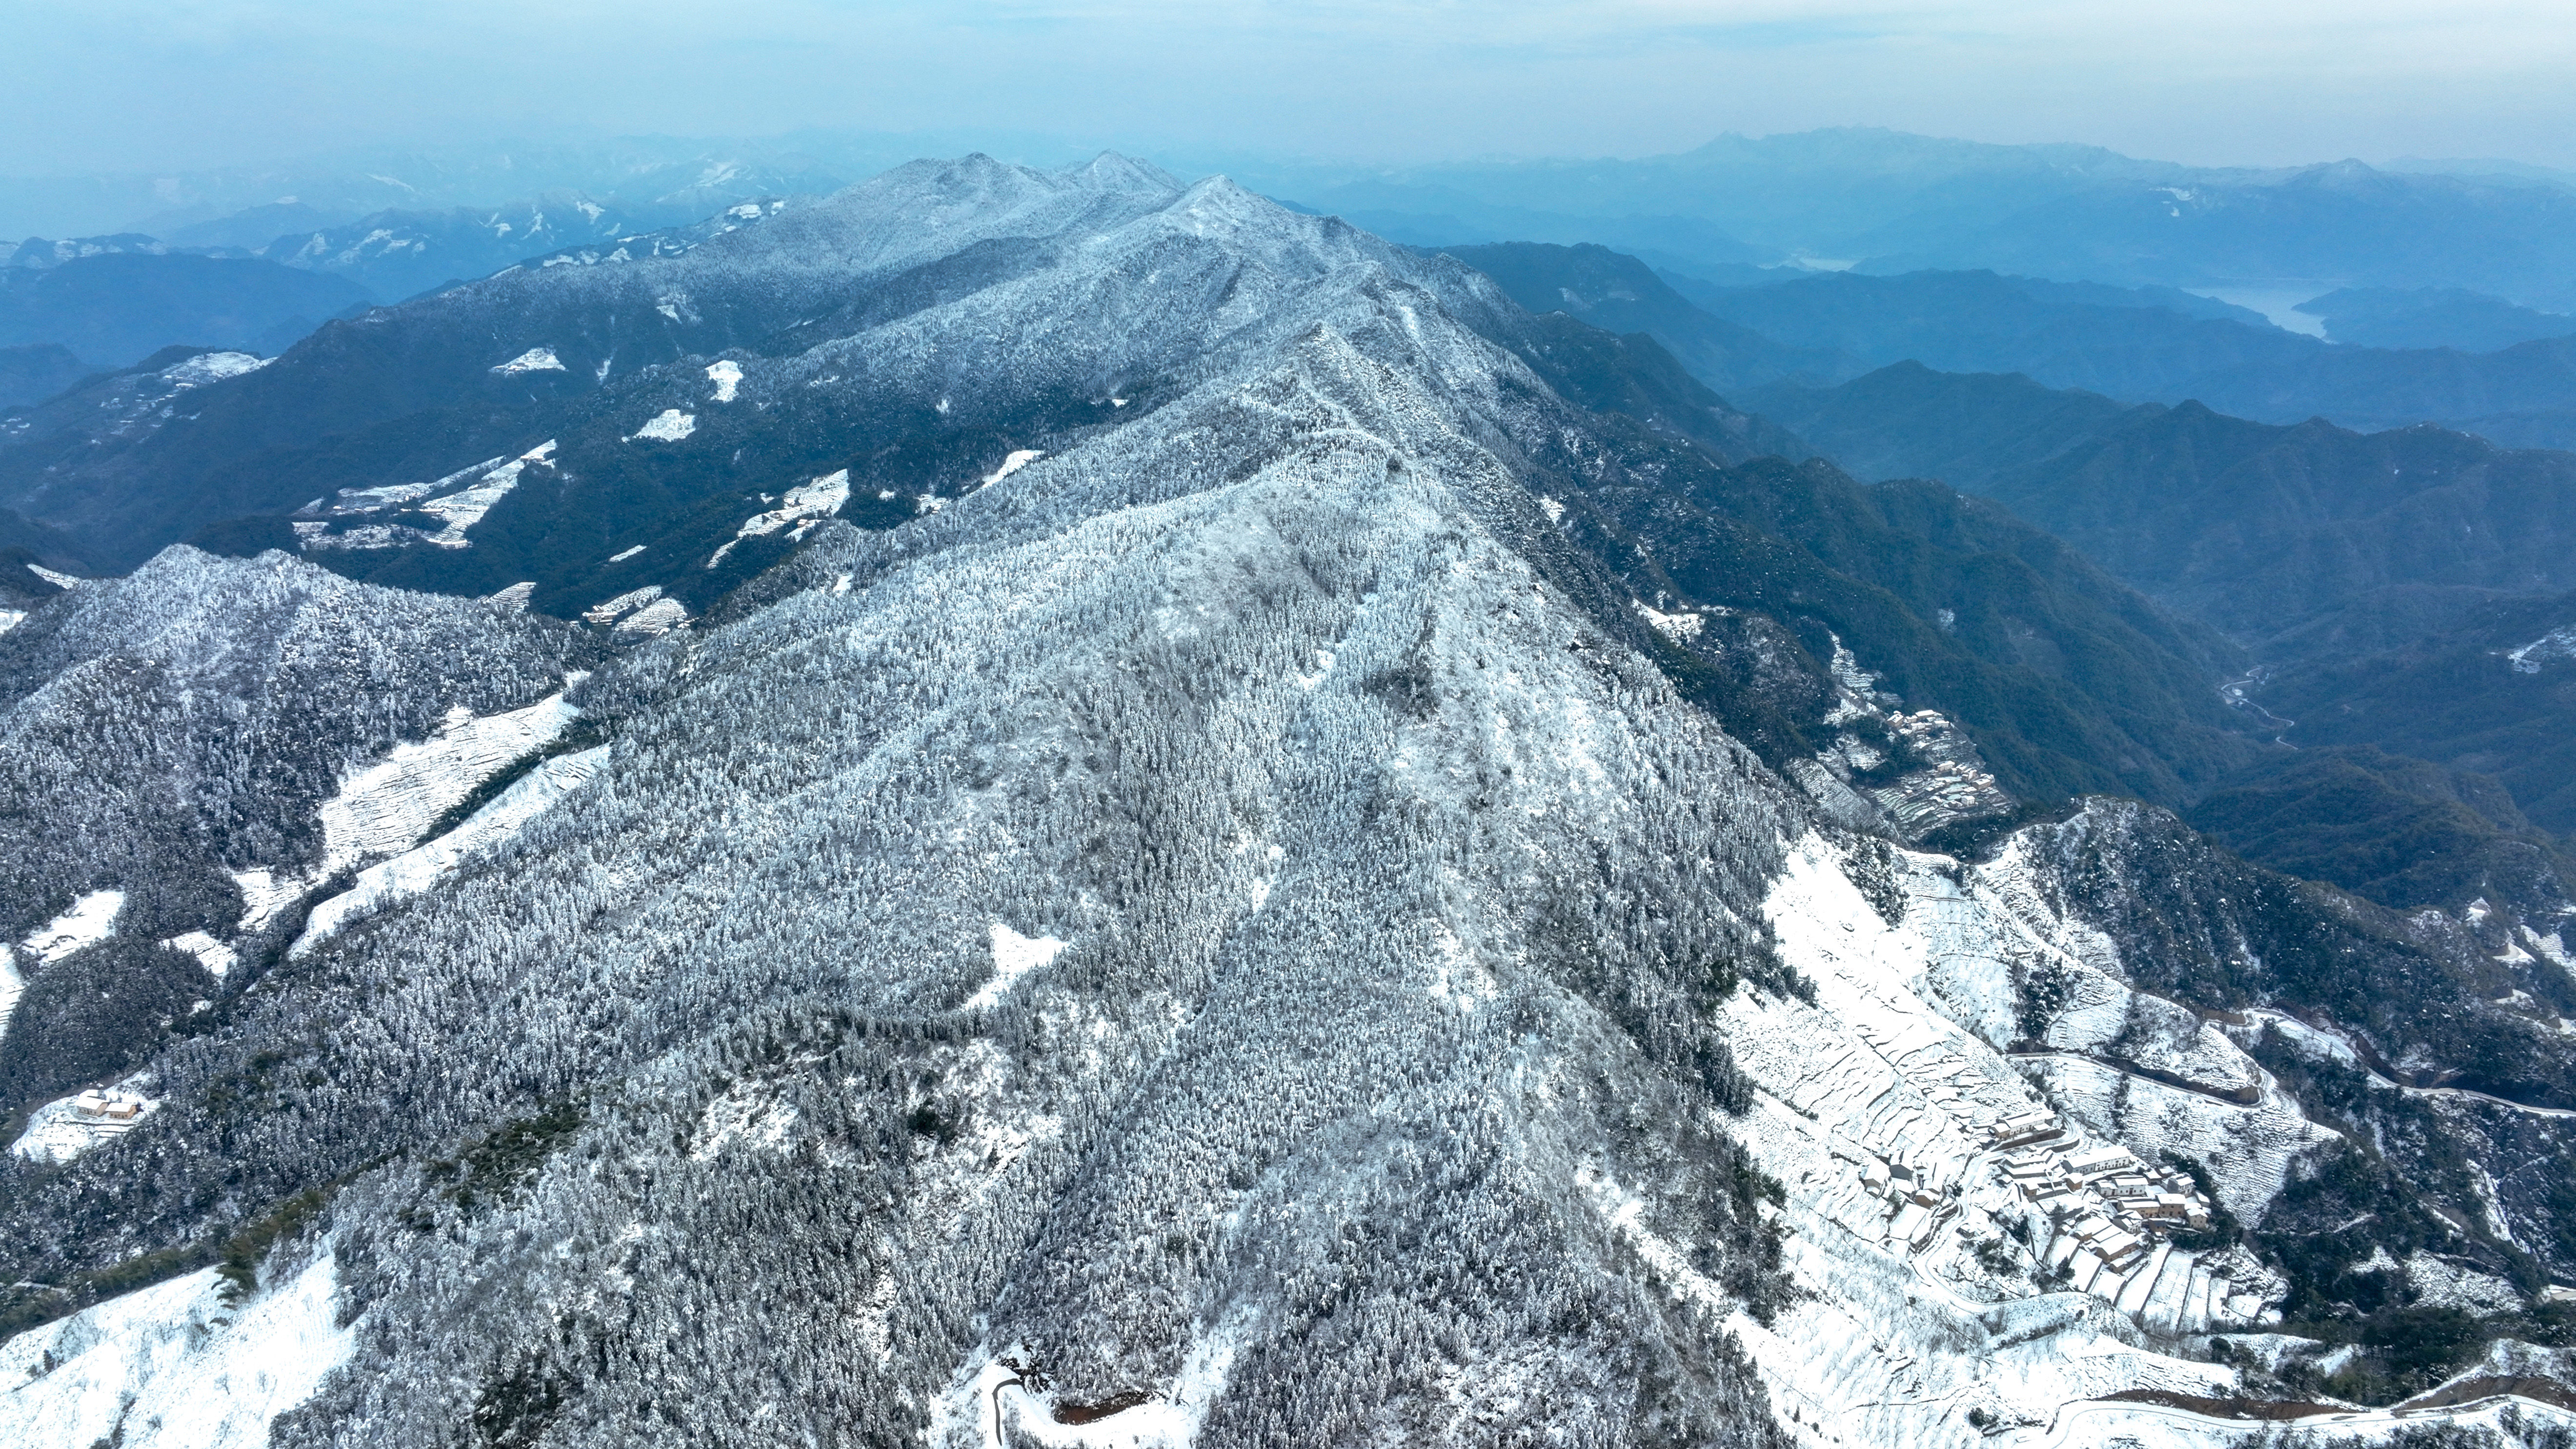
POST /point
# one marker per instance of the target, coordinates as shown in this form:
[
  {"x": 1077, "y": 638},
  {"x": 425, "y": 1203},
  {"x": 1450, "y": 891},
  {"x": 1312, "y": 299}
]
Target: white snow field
[
  {"x": 1903, "y": 1330},
  {"x": 654, "y": 619},
  {"x": 535, "y": 359},
  {"x": 458, "y": 501},
  {"x": 462, "y": 510},
  {"x": 208, "y": 367},
  {"x": 1019, "y": 458},
  {"x": 91, "y": 919},
  {"x": 805, "y": 505},
  {"x": 667, "y": 426},
  {"x": 383, "y": 809},
  {"x": 1888, "y": 1070},
  {"x": 214, "y": 955},
  {"x": 173, "y": 1366},
  {"x": 1014, "y": 956}
]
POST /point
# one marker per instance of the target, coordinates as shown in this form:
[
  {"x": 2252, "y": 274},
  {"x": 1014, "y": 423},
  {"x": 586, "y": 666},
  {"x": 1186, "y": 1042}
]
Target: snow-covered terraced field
[
  {"x": 421, "y": 867},
  {"x": 383, "y": 809},
  {"x": 1892, "y": 1069}
]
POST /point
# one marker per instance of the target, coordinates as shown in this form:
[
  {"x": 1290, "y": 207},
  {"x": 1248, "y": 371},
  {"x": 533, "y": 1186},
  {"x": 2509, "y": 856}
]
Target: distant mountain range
[
  {"x": 2432, "y": 317},
  {"x": 111, "y": 300},
  {"x": 2153, "y": 344},
  {"x": 113, "y": 309},
  {"x": 397, "y": 254},
  {"x": 656, "y": 181},
  {"x": 1884, "y": 201}
]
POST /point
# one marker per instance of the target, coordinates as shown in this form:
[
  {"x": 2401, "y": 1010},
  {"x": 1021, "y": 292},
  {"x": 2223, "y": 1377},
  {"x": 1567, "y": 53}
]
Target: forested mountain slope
[
  {"x": 1253, "y": 928},
  {"x": 2292, "y": 538},
  {"x": 2432, "y": 317},
  {"x": 167, "y": 743},
  {"x": 37, "y": 370},
  {"x": 2178, "y": 349},
  {"x": 1617, "y": 292},
  {"x": 2378, "y": 581},
  {"x": 2487, "y": 692},
  {"x": 1907, "y": 420}
]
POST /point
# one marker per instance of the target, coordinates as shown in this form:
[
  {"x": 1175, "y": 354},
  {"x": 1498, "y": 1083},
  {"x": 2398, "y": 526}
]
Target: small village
[{"x": 2100, "y": 1220}]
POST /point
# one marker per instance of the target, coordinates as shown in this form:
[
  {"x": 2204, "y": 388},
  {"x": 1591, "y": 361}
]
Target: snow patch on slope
[
  {"x": 727, "y": 376},
  {"x": 485, "y": 484},
  {"x": 212, "y": 954},
  {"x": 91, "y": 919},
  {"x": 173, "y": 1366},
  {"x": 535, "y": 359},
  {"x": 264, "y": 894},
  {"x": 1014, "y": 956},
  {"x": 667, "y": 426},
  {"x": 2557, "y": 644},
  {"x": 1672, "y": 626},
  {"x": 654, "y": 620},
  {"x": 208, "y": 367},
  {"x": 461, "y": 511},
  {"x": 385, "y": 808},
  {"x": 804, "y": 506},
  {"x": 1019, "y": 458},
  {"x": 611, "y": 610}
]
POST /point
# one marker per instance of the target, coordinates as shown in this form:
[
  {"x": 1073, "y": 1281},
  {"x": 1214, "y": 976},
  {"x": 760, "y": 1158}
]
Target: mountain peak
[{"x": 1112, "y": 171}]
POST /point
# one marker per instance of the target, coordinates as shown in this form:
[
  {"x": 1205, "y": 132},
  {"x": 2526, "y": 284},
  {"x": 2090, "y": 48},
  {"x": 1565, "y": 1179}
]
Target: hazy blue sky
[{"x": 152, "y": 84}]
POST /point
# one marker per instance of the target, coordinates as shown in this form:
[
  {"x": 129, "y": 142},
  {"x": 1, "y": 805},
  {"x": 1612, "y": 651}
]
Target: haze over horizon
[{"x": 117, "y": 88}]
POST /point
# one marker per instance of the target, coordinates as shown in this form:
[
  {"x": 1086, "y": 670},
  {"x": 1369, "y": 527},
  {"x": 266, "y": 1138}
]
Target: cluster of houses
[
  {"x": 2105, "y": 1210},
  {"x": 110, "y": 1109},
  {"x": 2100, "y": 1210}
]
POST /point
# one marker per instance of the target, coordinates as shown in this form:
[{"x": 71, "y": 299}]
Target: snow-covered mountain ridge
[{"x": 1239, "y": 930}]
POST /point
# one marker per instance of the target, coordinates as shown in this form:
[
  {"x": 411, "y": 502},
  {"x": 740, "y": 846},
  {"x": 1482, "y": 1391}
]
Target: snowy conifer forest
[{"x": 1057, "y": 808}]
